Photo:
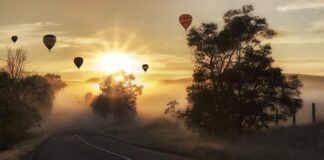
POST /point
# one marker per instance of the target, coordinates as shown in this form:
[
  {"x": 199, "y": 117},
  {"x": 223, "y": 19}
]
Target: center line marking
[{"x": 102, "y": 149}]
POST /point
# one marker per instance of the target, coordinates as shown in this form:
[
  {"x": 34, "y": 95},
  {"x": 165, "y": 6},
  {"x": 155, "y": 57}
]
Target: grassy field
[
  {"x": 301, "y": 143},
  {"x": 23, "y": 150}
]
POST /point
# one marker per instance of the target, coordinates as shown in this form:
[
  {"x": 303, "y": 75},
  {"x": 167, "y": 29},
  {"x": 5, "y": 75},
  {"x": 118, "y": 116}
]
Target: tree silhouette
[
  {"x": 234, "y": 85},
  {"x": 24, "y": 98},
  {"x": 16, "y": 63},
  {"x": 56, "y": 81},
  {"x": 88, "y": 97},
  {"x": 16, "y": 116},
  {"x": 38, "y": 92},
  {"x": 118, "y": 97}
]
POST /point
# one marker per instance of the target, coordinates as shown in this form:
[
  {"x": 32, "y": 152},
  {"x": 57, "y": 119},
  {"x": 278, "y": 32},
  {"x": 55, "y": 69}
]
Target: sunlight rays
[
  {"x": 121, "y": 53},
  {"x": 114, "y": 61}
]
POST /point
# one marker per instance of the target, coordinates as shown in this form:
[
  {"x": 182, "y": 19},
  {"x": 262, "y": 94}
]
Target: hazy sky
[
  {"x": 110, "y": 34},
  {"x": 148, "y": 31}
]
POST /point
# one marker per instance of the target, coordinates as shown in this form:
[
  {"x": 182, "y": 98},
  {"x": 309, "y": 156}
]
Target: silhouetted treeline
[
  {"x": 25, "y": 99},
  {"x": 235, "y": 87},
  {"x": 118, "y": 97}
]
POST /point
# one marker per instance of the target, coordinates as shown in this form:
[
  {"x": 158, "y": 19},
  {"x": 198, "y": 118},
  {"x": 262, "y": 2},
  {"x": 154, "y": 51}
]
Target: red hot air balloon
[
  {"x": 78, "y": 61},
  {"x": 145, "y": 67},
  {"x": 185, "y": 20},
  {"x": 49, "y": 41},
  {"x": 14, "y": 39}
]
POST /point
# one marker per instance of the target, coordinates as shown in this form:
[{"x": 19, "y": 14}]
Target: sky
[{"x": 124, "y": 34}]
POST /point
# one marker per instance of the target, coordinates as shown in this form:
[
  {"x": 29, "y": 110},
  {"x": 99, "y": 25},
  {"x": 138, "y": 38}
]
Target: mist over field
[
  {"x": 312, "y": 92},
  {"x": 162, "y": 80},
  {"x": 151, "y": 104}
]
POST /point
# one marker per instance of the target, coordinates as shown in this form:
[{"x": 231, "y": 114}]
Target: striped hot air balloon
[{"x": 185, "y": 20}]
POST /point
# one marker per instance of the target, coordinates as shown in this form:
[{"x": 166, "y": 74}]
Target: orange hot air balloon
[
  {"x": 185, "y": 20},
  {"x": 49, "y": 41},
  {"x": 78, "y": 61},
  {"x": 145, "y": 67},
  {"x": 14, "y": 39}
]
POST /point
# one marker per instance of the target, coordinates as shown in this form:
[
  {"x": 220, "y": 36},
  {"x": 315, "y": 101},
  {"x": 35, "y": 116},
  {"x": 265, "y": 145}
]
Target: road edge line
[{"x": 102, "y": 149}]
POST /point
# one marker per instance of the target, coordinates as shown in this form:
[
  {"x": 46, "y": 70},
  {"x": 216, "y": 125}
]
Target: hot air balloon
[
  {"x": 145, "y": 67},
  {"x": 14, "y": 39},
  {"x": 49, "y": 41},
  {"x": 185, "y": 20},
  {"x": 78, "y": 61}
]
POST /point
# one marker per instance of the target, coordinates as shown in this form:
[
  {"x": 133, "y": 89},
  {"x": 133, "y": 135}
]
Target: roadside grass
[
  {"x": 284, "y": 143},
  {"x": 23, "y": 150}
]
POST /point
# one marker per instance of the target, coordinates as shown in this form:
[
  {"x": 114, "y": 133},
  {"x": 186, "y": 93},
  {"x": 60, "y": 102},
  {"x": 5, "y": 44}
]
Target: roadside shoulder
[{"x": 25, "y": 150}]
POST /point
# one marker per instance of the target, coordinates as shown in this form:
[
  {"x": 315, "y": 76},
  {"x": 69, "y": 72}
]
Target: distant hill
[
  {"x": 94, "y": 80},
  {"x": 308, "y": 79},
  {"x": 312, "y": 81}
]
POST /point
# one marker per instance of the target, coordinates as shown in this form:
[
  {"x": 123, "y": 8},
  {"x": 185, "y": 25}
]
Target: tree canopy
[
  {"x": 118, "y": 97},
  {"x": 235, "y": 86},
  {"x": 25, "y": 99}
]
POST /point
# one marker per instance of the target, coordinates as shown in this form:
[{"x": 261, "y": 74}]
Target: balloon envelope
[
  {"x": 145, "y": 67},
  {"x": 185, "y": 20},
  {"x": 49, "y": 41},
  {"x": 78, "y": 61},
  {"x": 14, "y": 39}
]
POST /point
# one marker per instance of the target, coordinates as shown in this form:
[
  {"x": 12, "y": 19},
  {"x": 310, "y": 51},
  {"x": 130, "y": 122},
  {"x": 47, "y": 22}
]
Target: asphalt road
[{"x": 78, "y": 144}]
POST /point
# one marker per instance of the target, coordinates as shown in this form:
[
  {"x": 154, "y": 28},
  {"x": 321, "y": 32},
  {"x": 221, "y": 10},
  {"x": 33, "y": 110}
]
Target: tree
[
  {"x": 88, "y": 98},
  {"x": 118, "y": 97},
  {"x": 171, "y": 108},
  {"x": 16, "y": 115},
  {"x": 38, "y": 92},
  {"x": 234, "y": 85},
  {"x": 16, "y": 63},
  {"x": 24, "y": 98},
  {"x": 56, "y": 82}
]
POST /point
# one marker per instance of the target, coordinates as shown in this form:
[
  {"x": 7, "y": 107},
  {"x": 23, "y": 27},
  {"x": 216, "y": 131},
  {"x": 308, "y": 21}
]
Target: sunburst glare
[{"x": 116, "y": 61}]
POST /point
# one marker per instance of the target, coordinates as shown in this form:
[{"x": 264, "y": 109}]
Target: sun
[
  {"x": 118, "y": 78},
  {"x": 115, "y": 61}
]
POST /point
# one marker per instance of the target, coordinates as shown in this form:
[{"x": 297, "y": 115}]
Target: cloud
[
  {"x": 94, "y": 80},
  {"x": 317, "y": 26},
  {"x": 314, "y": 33},
  {"x": 32, "y": 34},
  {"x": 28, "y": 34},
  {"x": 26, "y": 28},
  {"x": 303, "y": 60},
  {"x": 302, "y": 5},
  {"x": 176, "y": 81},
  {"x": 69, "y": 41},
  {"x": 297, "y": 39}
]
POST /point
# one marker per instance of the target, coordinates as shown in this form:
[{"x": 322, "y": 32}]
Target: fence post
[
  {"x": 277, "y": 117},
  {"x": 314, "y": 112},
  {"x": 294, "y": 119}
]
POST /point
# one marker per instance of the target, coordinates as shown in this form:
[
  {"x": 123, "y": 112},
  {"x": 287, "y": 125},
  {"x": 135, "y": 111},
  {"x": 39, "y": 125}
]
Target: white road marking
[{"x": 102, "y": 149}]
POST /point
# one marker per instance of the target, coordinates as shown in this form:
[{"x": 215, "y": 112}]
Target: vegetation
[
  {"x": 302, "y": 142},
  {"x": 118, "y": 97},
  {"x": 24, "y": 99},
  {"x": 24, "y": 150},
  {"x": 235, "y": 87}
]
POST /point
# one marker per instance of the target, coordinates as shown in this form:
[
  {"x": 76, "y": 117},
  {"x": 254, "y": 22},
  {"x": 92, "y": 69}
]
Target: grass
[
  {"x": 286, "y": 143},
  {"x": 23, "y": 150}
]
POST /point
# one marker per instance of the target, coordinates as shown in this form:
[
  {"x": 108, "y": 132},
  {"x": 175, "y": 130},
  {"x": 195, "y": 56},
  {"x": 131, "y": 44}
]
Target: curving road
[{"x": 87, "y": 145}]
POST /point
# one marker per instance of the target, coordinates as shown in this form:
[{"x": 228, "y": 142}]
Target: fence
[{"x": 294, "y": 116}]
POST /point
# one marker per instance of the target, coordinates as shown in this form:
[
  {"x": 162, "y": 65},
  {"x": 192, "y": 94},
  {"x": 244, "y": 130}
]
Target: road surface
[{"x": 81, "y": 144}]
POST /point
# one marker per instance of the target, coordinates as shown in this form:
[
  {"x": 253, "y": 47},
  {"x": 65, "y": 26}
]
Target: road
[{"x": 81, "y": 144}]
